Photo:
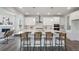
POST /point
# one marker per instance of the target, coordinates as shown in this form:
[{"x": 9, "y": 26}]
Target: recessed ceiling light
[
  {"x": 48, "y": 13},
  {"x": 21, "y": 7},
  {"x": 34, "y": 19},
  {"x": 68, "y": 8},
  {"x": 51, "y": 19},
  {"x": 59, "y": 13},
  {"x": 26, "y": 13},
  {"x": 37, "y": 13}
]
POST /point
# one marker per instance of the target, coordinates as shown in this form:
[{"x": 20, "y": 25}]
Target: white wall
[
  {"x": 16, "y": 18},
  {"x": 73, "y": 34},
  {"x": 30, "y": 20},
  {"x": 4, "y": 12},
  {"x": 74, "y": 15},
  {"x": 19, "y": 21},
  {"x": 7, "y": 14}
]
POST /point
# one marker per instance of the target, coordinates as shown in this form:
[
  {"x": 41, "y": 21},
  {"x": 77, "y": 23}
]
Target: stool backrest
[
  {"x": 24, "y": 35},
  {"x": 49, "y": 35},
  {"x": 8, "y": 33},
  {"x": 62, "y": 35},
  {"x": 38, "y": 35}
]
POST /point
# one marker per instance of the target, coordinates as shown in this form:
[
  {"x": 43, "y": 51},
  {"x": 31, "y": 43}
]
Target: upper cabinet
[
  {"x": 42, "y": 20},
  {"x": 51, "y": 20}
]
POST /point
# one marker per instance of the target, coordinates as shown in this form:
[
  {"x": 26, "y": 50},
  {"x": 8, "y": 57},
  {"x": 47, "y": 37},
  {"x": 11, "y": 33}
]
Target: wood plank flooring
[
  {"x": 12, "y": 46},
  {"x": 72, "y": 45}
]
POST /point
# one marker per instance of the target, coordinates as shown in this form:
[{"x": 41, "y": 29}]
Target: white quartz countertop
[{"x": 32, "y": 31}]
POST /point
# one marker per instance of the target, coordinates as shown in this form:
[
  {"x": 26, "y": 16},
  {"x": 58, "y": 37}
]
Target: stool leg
[
  {"x": 44, "y": 44},
  {"x": 50, "y": 44},
  {"x": 40, "y": 45},
  {"x": 23, "y": 44},
  {"x": 59, "y": 44},
  {"x": 27, "y": 45},
  {"x": 56, "y": 47},
  {"x": 34, "y": 45},
  {"x": 30, "y": 44},
  {"x": 20, "y": 44},
  {"x": 7, "y": 41}
]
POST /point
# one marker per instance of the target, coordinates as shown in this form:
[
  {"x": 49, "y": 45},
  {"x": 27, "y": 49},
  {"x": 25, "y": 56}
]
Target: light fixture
[
  {"x": 51, "y": 19},
  {"x": 59, "y": 13},
  {"x": 68, "y": 8},
  {"x": 26, "y": 13},
  {"x": 34, "y": 19},
  {"x": 20, "y": 7},
  {"x": 48, "y": 13},
  {"x": 37, "y": 13}
]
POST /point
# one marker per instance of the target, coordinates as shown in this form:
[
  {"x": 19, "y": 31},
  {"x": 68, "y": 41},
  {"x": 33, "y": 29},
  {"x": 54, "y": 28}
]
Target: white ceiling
[{"x": 46, "y": 10}]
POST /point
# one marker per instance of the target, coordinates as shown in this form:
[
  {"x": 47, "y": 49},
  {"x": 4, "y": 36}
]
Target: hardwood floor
[
  {"x": 72, "y": 45},
  {"x": 12, "y": 46}
]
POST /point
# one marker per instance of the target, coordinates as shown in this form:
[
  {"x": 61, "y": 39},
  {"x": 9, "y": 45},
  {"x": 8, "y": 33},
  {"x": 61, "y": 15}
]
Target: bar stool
[
  {"x": 62, "y": 38},
  {"x": 60, "y": 41},
  {"x": 48, "y": 40},
  {"x": 7, "y": 35},
  {"x": 25, "y": 40},
  {"x": 37, "y": 40}
]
